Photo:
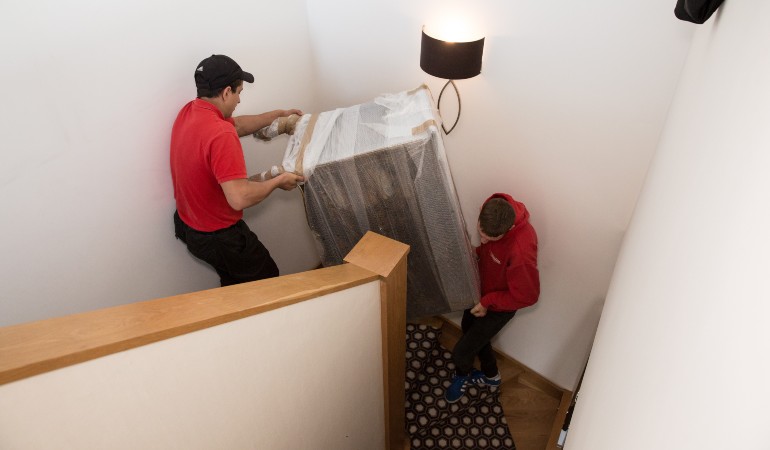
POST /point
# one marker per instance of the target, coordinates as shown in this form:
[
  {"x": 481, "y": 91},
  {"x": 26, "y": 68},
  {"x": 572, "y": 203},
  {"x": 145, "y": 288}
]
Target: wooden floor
[{"x": 534, "y": 407}]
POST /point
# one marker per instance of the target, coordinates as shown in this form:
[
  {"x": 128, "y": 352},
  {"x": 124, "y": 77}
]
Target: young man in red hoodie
[{"x": 510, "y": 281}]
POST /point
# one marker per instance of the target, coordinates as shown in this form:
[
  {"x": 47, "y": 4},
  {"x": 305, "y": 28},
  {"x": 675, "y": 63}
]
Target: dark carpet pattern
[{"x": 476, "y": 421}]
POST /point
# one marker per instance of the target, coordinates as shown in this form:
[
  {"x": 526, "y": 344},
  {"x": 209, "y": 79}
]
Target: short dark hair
[
  {"x": 497, "y": 217},
  {"x": 208, "y": 93}
]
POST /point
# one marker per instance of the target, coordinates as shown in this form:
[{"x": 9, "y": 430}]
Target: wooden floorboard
[{"x": 531, "y": 403}]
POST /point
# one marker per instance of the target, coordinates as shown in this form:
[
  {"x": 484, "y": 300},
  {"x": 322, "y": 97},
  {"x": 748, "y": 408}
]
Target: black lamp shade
[{"x": 451, "y": 60}]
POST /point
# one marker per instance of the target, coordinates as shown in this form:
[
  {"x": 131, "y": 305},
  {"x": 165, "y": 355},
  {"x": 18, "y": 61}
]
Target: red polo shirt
[{"x": 205, "y": 151}]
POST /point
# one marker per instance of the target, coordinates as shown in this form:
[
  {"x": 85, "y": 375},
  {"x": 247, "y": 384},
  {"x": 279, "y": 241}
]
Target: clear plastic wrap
[{"x": 381, "y": 166}]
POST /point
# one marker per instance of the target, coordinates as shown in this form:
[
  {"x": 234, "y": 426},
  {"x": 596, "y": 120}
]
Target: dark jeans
[
  {"x": 235, "y": 252},
  {"x": 477, "y": 333}
]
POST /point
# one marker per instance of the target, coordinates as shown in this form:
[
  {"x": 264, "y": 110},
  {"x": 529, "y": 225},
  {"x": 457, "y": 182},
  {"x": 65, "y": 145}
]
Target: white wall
[
  {"x": 681, "y": 355},
  {"x": 91, "y": 90},
  {"x": 565, "y": 116},
  {"x": 230, "y": 386}
]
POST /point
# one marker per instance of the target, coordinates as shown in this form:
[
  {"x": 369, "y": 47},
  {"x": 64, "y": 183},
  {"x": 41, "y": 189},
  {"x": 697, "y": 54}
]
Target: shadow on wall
[{"x": 590, "y": 319}]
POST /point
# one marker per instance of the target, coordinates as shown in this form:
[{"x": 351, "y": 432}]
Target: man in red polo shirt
[{"x": 208, "y": 170}]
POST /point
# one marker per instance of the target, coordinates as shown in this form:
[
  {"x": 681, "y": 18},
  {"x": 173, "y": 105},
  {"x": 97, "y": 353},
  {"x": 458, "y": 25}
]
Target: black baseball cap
[{"x": 219, "y": 71}]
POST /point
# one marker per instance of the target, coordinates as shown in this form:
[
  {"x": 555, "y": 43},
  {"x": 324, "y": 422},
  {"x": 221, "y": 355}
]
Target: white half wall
[
  {"x": 565, "y": 116},
  {"x": 91, "y": 91},
  {"x": 680, "y": 359},
  {"x": 306, "y": 376}
]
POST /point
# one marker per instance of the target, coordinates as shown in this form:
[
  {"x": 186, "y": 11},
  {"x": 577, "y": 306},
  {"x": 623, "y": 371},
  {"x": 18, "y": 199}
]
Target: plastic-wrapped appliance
[{"x": 381, "y": 166}]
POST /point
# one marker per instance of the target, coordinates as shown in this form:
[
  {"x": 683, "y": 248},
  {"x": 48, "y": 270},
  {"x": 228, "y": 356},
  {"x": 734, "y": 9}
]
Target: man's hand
[
  {"x": 288, "y": 180},
  {"x": 242, "y": 192},
  {"x": 479, "y": 310}
]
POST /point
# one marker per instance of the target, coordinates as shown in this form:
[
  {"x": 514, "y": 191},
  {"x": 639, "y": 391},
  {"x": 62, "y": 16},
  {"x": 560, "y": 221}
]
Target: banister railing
[{"x": 40, "y": 347}]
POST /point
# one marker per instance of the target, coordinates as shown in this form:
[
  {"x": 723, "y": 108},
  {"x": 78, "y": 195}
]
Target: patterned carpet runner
[{"x": 476, "y": 421}]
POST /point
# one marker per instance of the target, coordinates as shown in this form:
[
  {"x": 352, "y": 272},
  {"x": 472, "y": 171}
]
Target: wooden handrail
[
  {"x": 387, "y": 258},
  {"x": 38, "y": 347}
]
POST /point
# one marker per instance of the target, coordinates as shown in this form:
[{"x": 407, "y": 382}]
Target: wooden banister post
[{"x": 387, "y": 258}]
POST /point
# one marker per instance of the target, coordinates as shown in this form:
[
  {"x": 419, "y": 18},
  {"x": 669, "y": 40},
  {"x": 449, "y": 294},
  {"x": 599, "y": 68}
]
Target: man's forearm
[
  {"x": 242, "y": 193},
  {"x": 249, "y": 124},
  {"x": 258, "y": 191}
]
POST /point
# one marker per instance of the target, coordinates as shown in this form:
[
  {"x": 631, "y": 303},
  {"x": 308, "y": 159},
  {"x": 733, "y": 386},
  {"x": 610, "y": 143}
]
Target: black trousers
[
  {"x": 477, "y": 334},
  {"x": 234, "y": 252}
]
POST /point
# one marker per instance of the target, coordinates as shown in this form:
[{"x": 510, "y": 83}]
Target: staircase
[{"x": 533, "y": 407}]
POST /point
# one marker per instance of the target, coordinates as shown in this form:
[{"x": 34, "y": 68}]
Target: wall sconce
[{"x": 451, "y": 61}]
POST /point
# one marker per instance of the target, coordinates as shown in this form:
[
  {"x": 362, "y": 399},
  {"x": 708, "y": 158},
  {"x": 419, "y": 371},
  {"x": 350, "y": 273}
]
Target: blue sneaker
[
  {"x": 457, "y": 388},
  {"x": 478, "y": 377}
]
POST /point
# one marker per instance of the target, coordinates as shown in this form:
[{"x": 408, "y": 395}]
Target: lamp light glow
[{"x": 452, "y": 29}]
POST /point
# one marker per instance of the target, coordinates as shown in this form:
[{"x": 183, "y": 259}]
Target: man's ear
[{"x": 227, "y": 91}]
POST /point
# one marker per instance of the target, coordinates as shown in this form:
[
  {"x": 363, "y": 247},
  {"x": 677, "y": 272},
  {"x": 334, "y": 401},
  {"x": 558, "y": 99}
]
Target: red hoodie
[{"x": 508, "y": 267}]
